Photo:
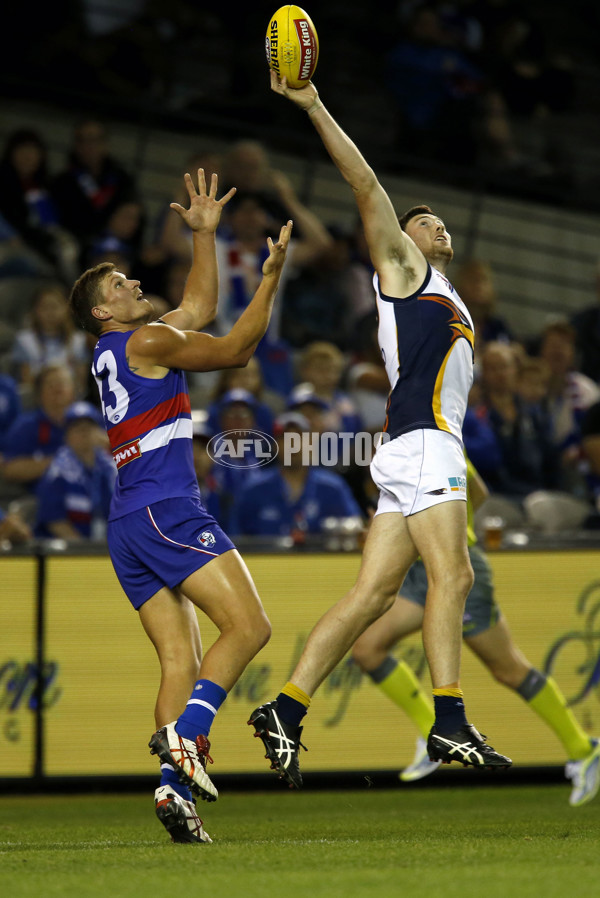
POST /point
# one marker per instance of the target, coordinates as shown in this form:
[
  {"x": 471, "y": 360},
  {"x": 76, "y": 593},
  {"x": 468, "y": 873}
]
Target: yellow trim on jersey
[
  {"x": 466, "y": 332},
  {"x": 436, "y": 404}
]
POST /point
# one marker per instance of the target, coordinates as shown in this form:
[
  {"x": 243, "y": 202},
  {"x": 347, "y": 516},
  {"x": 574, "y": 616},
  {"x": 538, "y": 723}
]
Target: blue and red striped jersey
[{"x": 149, "y": 426}]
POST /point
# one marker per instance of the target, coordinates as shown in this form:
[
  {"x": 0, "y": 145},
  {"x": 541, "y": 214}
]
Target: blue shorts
[
  {"x": 481, "y": 609},
  {"x": 162, "y": 544}
]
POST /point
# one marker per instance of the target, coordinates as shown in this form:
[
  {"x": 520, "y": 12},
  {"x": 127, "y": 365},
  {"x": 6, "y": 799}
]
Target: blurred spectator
[
  {"x": 535, "y": 79},
  {"x": 236, "y": 411},
  {"x": 13, "y": 529},
  {"x": 26, "y": 202},
  {"x": 303, "y": 400},
  {"x": 173, "y": 235},
  {"x": 316, "y": 303},
  {"x": 251, "y": 380},
  {"x": 367, "y": 379},
  {"x": 290, "y": 498},
  {"x": 587, "y": 330},
  {"x": 360, "y": 289},
  {"x": 590, "y": 435},
  {"x": 16, "y": 258},
  {"x": 435, "y": 87},
  {"x": 239, "y": 408},
  {"x": 50, "y": 338},
  {"x": 247, "y": 167},
  {"x": 215, "y": 490},
  {"x": 93, "y": 185},
  {"x": 518, "y": 455},
  {"x": 128, "y": 45},
  {"x": 122, "y": 234},
  {"x": 570, "y": 393},
  {"x": 74, "y": 493},
  {"x": 241, "y": 247},
  {"x": 10, "y": 406},
  {"x": 532, "y": 384},
  {"x": 241, "y": 252},
  {"x": 37, "y": 435},
  {"x": 474, "y": 283},
  {"x": 176, "y": 276},
  {"x": 322, "y": 364}
]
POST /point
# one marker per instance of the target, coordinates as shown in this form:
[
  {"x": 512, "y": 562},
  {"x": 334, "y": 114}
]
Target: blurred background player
[
  {"x": 169, "y": 554},
  {"x": 486, "y": 632}
]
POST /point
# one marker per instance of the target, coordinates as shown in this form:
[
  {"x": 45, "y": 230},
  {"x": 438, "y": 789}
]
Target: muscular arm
[
  {"x": 393, "y": 253},
  {"x": 156, "y": 346},
  {"x": 315, "y": 237},
  {"x": 199, "y": 304}
]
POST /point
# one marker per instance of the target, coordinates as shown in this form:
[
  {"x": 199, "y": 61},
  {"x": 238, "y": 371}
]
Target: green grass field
[{"x": 494, "y": 842}]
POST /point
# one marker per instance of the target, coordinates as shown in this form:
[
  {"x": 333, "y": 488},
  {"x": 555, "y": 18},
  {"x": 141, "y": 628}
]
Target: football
[{"x": 292, "y": 45}]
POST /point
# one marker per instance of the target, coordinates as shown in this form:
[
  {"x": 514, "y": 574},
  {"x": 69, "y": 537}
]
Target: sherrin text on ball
[{"x": 292, "y": 45}]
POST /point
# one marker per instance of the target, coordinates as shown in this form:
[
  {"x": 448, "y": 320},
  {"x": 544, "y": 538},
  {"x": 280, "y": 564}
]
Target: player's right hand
[
  {"x": 277, "y": 251},
  {"x": 303, "y": 96}
]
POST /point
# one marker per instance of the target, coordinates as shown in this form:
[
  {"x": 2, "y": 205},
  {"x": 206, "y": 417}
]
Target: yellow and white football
[{"x": 292, "y": 45}]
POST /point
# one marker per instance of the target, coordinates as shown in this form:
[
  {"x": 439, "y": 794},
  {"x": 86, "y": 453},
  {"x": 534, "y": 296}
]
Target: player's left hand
[
  {"x": 205, "y": 209},
  {"x": 277, "y": 251}
]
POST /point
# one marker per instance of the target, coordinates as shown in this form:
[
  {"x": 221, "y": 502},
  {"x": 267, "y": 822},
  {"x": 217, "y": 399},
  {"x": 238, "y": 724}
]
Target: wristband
[{"x": 316, "y": 105}]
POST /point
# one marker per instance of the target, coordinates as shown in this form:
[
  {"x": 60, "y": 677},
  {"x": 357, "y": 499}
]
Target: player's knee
[
  {"x": 362, "y": 654},
  {"x": 263, "y": 631},
  {"x": 255, "y": 632},
  {"x": 462, "y": 580},
  {"x": 182, "y": 663},
  {"x": 506, "y": 676},
  {"x": 500, "y": 674}
]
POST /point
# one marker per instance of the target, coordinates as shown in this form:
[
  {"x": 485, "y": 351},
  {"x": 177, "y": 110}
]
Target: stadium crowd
[
  {"x": 493, "y": 86},
  {"x": 531, "y": 427}
]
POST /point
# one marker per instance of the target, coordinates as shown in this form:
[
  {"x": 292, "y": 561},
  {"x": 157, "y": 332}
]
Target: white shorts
[{"x": 419, "y": 469}]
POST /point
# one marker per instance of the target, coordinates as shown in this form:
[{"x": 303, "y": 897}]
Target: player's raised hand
[
  {"x": 305, "y": 97},
  {"x": 205, "y": 209},
  {"x": 277, "y": 251}
]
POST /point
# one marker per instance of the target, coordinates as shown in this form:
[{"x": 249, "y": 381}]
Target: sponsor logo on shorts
[
  {"x": 207, "y": 539},
  {"x": 126, "y": 453},
  {"x": 458, "y": 484}
]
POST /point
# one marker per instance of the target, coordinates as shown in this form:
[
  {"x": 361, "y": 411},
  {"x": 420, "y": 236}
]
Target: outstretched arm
[
  {"x": 165, "y": 347},
  {"x": 199, "y": 304},
  {"x": 388, "y": 245},
  {"x": 315, "y": 236}
]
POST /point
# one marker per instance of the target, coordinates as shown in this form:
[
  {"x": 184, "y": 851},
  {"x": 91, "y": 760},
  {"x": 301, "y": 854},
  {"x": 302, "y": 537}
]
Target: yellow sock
[
  {"x": 297, "y": 694},
  {"x": 452, "y": 689},
  {"x": 550, "y": 704},
  {"x": 402, "y": 686}
]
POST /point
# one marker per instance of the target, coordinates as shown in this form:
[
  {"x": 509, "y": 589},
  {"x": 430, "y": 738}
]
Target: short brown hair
[
  {"x": 562, "y": 328},
  {"x": 412, "y": 212},
  {"x": 86, "y": 294}
]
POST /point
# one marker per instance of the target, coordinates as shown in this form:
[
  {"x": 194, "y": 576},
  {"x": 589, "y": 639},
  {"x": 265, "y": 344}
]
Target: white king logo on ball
[{"x": 292, "y": 46}]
